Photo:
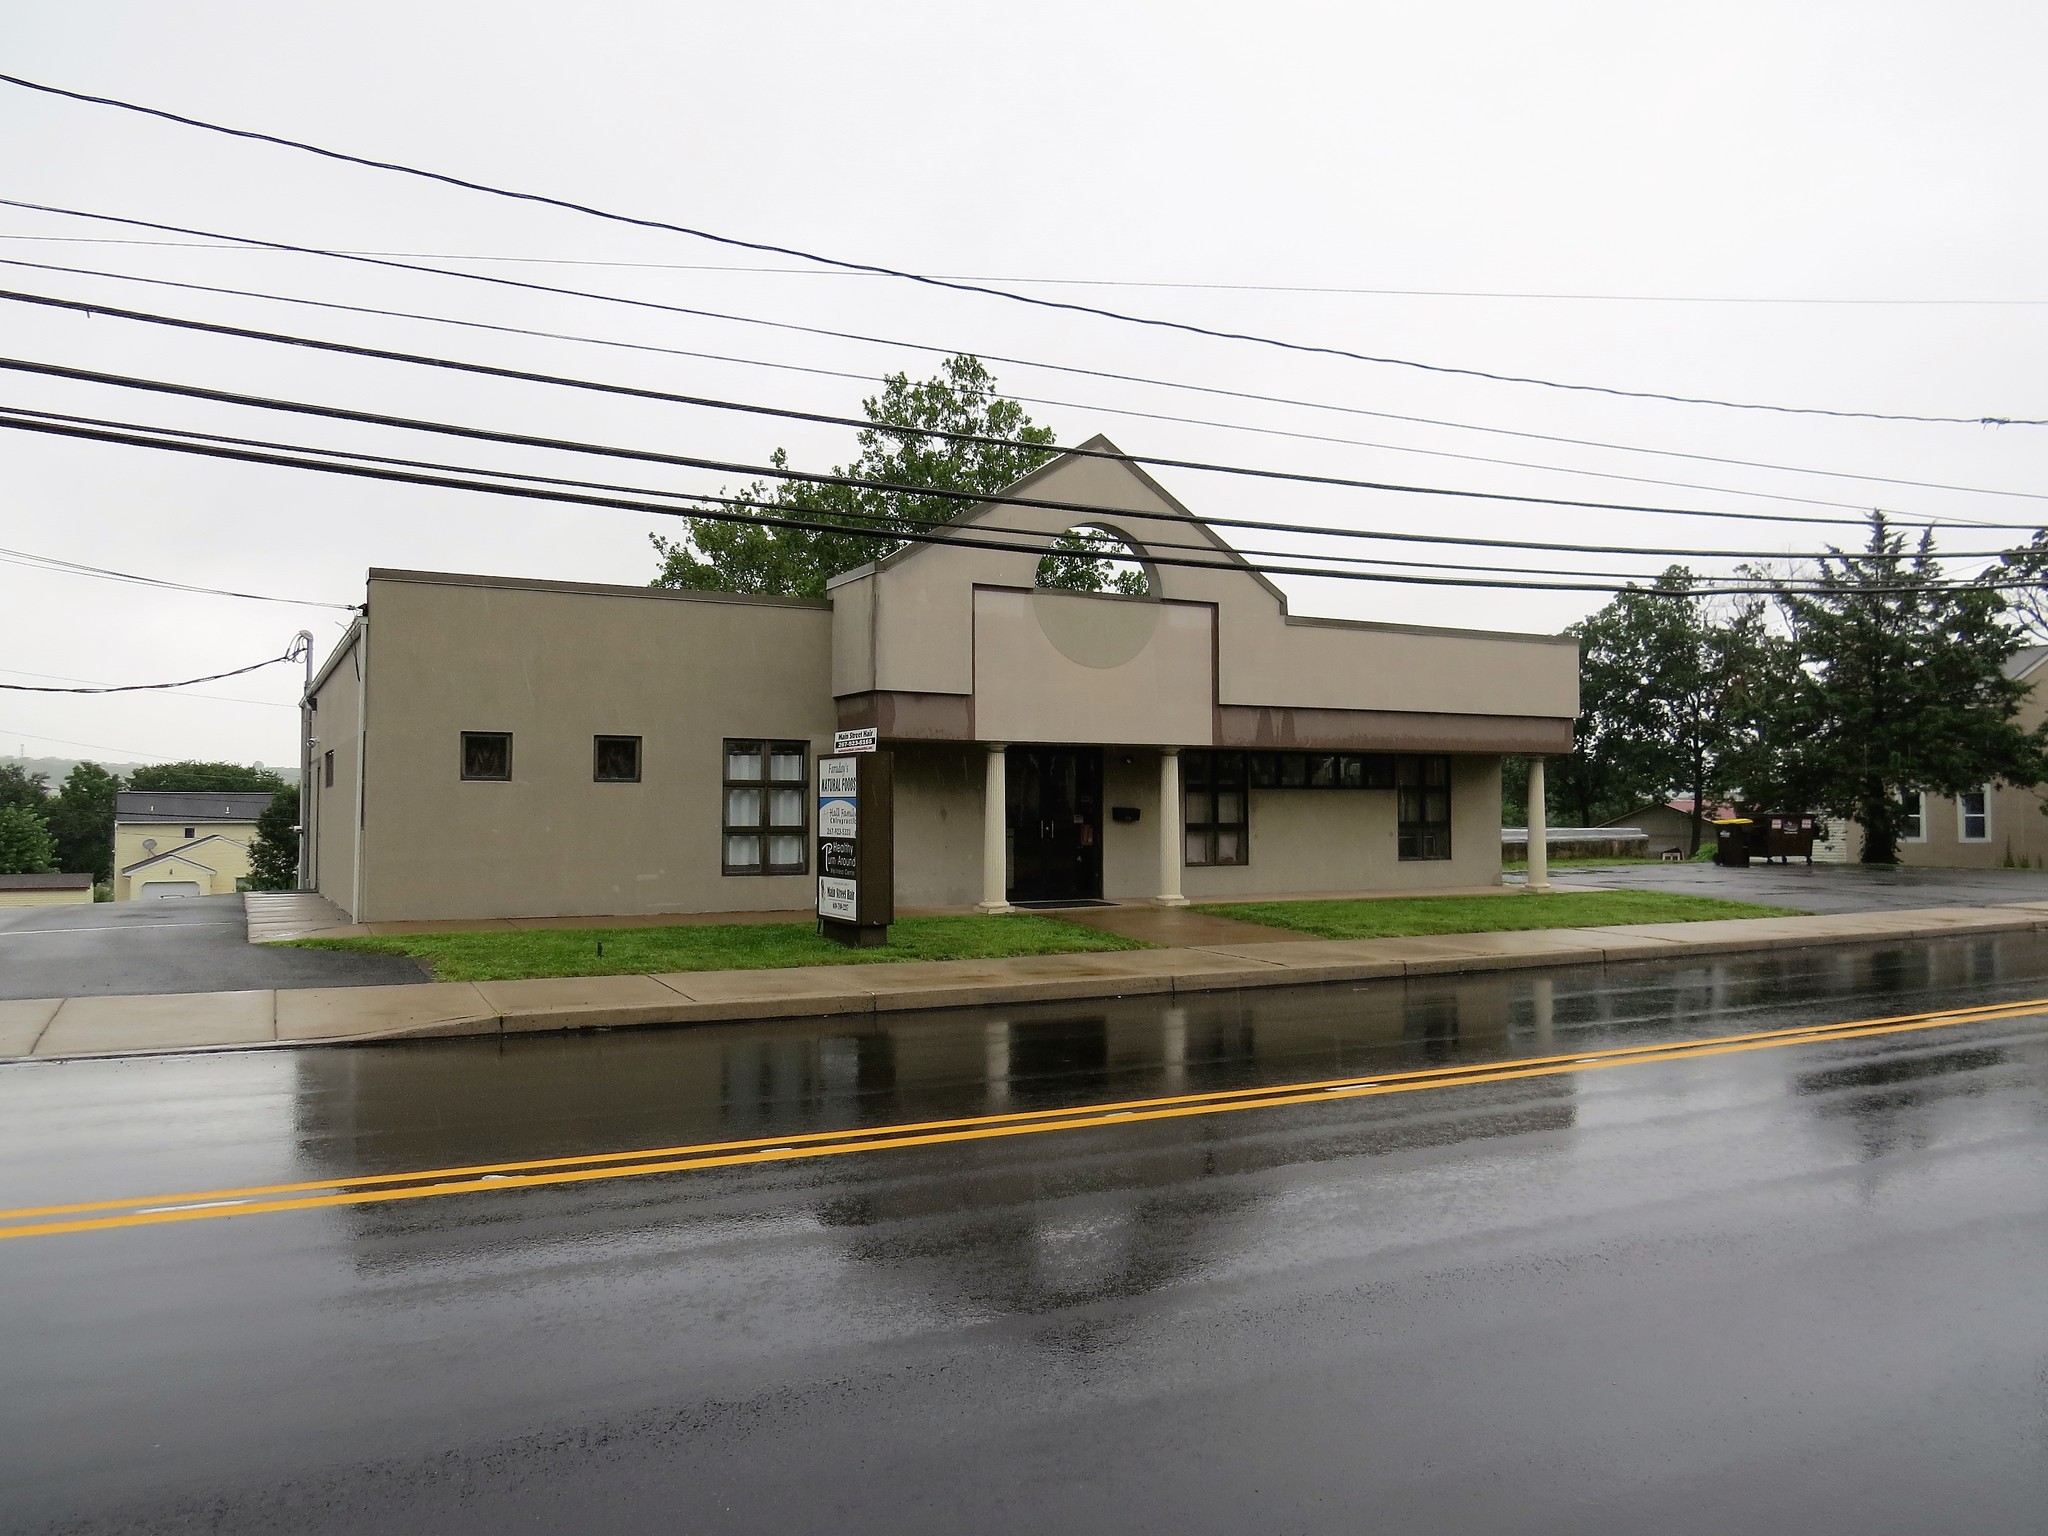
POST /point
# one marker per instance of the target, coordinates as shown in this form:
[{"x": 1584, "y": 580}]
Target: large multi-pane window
[
  {"x": 767, "y": 784},
  {"x": 1973, "y": 815},
  {"x": 1218, "y": 818},
  {"x": 1912, "y": 816},
  {"x": 1423, "y": 786}
]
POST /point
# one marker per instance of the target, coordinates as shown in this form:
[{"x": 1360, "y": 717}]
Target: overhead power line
[
  {"x": 986, "y": 290},
  {"x": 1023, "y": 399},
  {"x": 1187, "y": 285},
  {"x": 639, "y": 392},
  {"x": 72, "y": 568},
  {"x": 211, "y": 677},
  {"x": 980, "y": 525},
  {"x": 219, "y": 698},
  {"x": 806, "y": 477},
  {"x": 726, "y": 509},
  {"x": 1108, "y": 375}
]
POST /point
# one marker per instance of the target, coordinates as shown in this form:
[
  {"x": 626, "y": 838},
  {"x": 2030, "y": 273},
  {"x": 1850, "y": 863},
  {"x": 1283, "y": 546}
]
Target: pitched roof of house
[
  {"x": 49, "y": 882},
  {"x": 189, "y": 805},
  {"x": 183, "y": 853},
  {"x": 2025, "y": 659}
]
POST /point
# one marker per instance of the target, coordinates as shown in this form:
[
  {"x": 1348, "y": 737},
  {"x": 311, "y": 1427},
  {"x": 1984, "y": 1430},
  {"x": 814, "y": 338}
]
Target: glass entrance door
[{"x": 1055, "y": 814}]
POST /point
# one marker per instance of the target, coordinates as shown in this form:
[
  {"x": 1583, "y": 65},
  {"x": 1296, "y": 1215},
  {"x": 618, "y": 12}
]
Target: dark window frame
[
  {"x": 597, "y": 773},
  {"x": 327, "y": 770},
  {"x": 1321, "y": 770},
  {"x": 769, "y": 748},
  {"x": 487, "y": 778},
  {"x": 1422, "y": 787},
  {"x": 1206, "y": 775}
]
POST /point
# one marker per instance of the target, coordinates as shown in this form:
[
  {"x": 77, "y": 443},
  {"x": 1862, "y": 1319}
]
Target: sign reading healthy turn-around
[{"x": 857, "y": 841}]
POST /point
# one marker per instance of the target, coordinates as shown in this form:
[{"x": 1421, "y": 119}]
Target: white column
[
  {"x": 995, "y": 811},
  {"x": 1539, "y": 830},
  {"x": 1171, "y": 809}
]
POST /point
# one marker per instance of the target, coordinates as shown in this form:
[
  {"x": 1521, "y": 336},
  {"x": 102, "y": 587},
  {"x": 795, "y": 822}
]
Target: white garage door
[{"x": 156, "y": 890}]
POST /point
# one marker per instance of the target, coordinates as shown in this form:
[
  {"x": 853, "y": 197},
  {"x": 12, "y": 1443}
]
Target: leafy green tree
[
  {"x": 26, "y": 847},
  {"x": 82, "y": 821},
  {"x": 274, "y": 856},
  {"x": 19, "y": 787},
  {"x": 714, "y": 556},
  {"x": 224, "y": 778},
  {"x": 1677, "y": 691},
  {"x": 1898, "y": 690}
]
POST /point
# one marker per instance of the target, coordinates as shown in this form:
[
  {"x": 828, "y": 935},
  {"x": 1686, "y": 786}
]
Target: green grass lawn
[
  {"x": 510, "y": 955},
  {"x": 1410, "y": 915}
]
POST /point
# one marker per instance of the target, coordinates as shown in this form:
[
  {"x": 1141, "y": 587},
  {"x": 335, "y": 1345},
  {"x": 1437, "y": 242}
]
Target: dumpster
[
  {"x": 1731, "y": 842},
  {"x": 1783, "y": 835}
]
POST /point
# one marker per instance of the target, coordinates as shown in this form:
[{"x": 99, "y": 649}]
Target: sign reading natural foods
[{"x": 857, "y": 844}]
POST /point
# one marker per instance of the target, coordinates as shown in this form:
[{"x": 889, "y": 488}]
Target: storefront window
[
  {"x": 1217, "y": 806},
  {"x": 1424, "y": 790}
]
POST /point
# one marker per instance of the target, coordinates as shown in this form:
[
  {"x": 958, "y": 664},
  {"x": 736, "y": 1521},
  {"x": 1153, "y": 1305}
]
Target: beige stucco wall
[
  {"x": 1060, "y": 666},
  {"x": 216, "y": 855},
  {"x": 1312, "y": 840},
  {"x": 71, "y": 898},
  {"x": 920, "y": 608},
  {"x": 335, "y": 726},
  {"x": 555, "y": 667}
]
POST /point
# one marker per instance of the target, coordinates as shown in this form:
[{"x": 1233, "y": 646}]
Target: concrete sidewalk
[{"x": 63, "y": 1028}]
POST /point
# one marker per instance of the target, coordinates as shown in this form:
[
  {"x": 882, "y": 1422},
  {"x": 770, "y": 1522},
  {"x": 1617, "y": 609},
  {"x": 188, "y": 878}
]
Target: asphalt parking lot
[
  {"x": 1820, "y": 887},
  {"x": 186, "y": 944}
]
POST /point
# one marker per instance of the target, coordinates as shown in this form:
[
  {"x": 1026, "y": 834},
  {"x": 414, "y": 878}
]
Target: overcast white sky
[{"x": 1847, "y": 151}]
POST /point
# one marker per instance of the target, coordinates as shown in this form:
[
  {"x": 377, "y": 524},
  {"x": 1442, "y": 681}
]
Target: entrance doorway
[{"x": 1055, "y": 815}]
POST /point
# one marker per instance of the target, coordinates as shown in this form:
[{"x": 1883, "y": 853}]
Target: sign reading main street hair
[{"x": 857, "y": 846}]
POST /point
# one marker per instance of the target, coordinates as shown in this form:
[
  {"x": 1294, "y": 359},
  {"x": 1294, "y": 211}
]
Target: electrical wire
[
  {"x": 219, "y": 698},
  {"x": 960, "y": 498},
  {"x": 90, "y": 746},
  {"x": 72, "y": 568},
  {"x": 211, "y": 677},
  {"x": 1093, "y": 282},
  {"x": 980, "y": 525},
  {"x": 1109, "y": 375},
  {"x": 721, "y": 509},
  {"x": 983, "y": 289},
  {"x": 1022, "y": 399},
  {"x": 638, "y": 392}
]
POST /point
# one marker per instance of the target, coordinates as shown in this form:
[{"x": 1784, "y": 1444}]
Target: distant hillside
[{"x": 54, "y": 768}]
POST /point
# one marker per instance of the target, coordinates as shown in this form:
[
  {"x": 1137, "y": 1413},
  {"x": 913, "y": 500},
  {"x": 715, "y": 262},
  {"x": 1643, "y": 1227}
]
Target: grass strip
[
  {"x": 1410, "y": 916},
  {"x": 514, "y": 954}
]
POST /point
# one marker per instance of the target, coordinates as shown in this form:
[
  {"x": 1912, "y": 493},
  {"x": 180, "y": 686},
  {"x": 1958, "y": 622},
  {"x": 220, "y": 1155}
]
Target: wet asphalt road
[
  {"x": 185, "y": 944},
  {"x": 1796, "y": 1289}
]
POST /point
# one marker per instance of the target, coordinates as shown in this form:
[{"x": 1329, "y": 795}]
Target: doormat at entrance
[{"x": 1055, "y": 906}]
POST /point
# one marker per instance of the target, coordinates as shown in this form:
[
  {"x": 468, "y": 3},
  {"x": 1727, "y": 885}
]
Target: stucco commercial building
[{"x": 486, "y": 747}]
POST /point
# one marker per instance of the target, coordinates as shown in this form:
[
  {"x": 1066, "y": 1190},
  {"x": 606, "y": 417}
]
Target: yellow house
[
  {"x": 45, "y": 890},
  {"x": 183, "y": 842}
]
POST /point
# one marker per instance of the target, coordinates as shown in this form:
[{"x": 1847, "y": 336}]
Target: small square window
[
  {"x": 615, "y": 759},
  {"x": 487, "y": 754},
  {"x": 191, "y": 831}
]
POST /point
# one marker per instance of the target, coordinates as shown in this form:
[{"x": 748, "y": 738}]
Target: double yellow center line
[{"x": 488, "y": 1178}]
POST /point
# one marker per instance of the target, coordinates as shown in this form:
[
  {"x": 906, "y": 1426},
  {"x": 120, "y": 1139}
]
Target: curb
[{"x": 58, "y": 1029}]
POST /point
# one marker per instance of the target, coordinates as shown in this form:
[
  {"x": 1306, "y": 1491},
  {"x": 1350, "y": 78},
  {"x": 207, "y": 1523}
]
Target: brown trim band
[
  {"x": 910, "y": 716},
  {"x": 1385, "y": 730}
]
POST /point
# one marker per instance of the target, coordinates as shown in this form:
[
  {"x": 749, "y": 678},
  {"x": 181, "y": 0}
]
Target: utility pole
[{"x": 302, "y": 646}]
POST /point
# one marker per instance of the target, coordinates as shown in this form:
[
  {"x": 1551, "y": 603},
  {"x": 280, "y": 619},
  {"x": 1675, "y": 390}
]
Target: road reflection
[{"x": 1160, "y": 1199}]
